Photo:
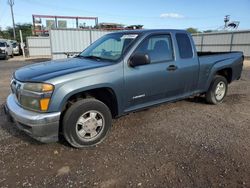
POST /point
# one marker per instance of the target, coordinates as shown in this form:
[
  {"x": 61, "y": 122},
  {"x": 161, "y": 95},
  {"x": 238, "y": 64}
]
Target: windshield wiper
[
  {"x": 97, "y": 58},
  {"x": 93, "y": 57}
]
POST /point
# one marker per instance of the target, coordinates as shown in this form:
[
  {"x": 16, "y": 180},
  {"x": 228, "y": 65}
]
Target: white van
[{"x": 6, "y": 49}]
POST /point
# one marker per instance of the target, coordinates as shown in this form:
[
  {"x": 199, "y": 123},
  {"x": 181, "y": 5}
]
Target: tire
[
  {"x": 214, "y": 94},
  {"x": 80, "y": 124},
  {"x": 6, "y": 56}
]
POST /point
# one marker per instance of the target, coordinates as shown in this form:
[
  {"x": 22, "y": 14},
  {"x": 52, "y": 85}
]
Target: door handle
[{"x": 172, "y": 68}]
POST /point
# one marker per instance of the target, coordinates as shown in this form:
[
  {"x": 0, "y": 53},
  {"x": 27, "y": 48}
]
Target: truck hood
[{"x": 44, "y": 71}]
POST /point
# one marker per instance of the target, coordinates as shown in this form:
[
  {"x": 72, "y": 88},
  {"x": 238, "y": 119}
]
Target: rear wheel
[
  {"x": 86, "y": 123},
  {"x": 217, "y": 90}
]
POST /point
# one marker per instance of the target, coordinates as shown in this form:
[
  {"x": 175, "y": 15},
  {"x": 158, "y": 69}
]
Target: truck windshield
[{"x": 110, "y": 47}]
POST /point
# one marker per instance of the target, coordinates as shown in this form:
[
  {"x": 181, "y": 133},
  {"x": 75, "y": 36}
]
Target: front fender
[
  {"x": 62, "y": 94},
  {"x": 104, "y": 79}
]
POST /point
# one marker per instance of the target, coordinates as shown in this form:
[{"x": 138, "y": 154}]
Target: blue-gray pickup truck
[{"x": 121, "y": 72}]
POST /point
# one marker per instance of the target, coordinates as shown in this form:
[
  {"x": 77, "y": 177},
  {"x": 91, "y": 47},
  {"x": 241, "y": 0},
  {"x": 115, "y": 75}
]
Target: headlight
[
  {"x": 36, "y": 96},
  {"x": 30, "y": 102},
  {"x": 38, "y": 87}
]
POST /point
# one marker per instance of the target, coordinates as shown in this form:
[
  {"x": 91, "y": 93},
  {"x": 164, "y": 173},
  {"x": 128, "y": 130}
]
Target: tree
[
  {"x": 192, "y": 30},
  {"x": 210, "y": 31},
  {"x": 26, "y": 31}
]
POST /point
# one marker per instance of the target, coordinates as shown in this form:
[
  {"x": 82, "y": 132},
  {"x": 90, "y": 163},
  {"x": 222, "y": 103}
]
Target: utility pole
[
  {"x": 11, "y": 3},
  {"x": 22, "y": 44}
]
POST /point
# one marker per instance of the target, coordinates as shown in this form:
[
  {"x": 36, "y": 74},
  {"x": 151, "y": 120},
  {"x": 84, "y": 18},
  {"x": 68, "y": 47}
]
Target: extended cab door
[
  {"x": 187, "y": 63},
  {"x": 163, "y": 79}
]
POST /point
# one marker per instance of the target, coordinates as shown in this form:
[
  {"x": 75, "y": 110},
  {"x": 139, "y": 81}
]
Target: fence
[
  {"x": 224, "y": 41},
  {"x": 39, "y": 46},
  {"x": 72, "y": 40},
  {"x": 63, "y": 41}
]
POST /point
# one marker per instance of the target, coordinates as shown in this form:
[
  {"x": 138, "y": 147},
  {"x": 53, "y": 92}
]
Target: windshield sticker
[{"x": 131, "y": 36}]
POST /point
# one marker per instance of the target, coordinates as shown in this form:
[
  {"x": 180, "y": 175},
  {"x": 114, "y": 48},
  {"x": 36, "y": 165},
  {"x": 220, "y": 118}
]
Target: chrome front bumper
[{"x": 41, "y": 126}]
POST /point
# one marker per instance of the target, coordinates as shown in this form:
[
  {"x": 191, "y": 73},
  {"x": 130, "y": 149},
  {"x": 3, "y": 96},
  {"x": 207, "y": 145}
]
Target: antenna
[
  {"x": 226, "y": 20},
  {"x": 233, "y": 25}
]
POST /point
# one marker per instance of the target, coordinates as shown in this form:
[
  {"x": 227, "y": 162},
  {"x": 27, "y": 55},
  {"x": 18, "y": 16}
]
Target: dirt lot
[{"x": 183, "y": 144}]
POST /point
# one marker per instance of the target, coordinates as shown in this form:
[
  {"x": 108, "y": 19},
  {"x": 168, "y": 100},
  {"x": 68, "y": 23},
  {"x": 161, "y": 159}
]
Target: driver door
[{"x": 151, "y": 83}]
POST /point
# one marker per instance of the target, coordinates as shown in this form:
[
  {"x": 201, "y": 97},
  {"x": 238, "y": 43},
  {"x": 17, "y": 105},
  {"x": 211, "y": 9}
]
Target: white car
[
  {"x": 6, "y": 49},
  {"x": 15, "y": 46}
]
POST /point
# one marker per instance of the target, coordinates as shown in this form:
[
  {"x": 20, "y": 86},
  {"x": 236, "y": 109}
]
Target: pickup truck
[{"x": 121, "y": 72}]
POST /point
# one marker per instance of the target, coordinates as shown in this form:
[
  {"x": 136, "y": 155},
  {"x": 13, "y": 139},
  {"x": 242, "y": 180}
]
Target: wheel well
[
  {"x": 227, "y": 73},
  {"x": 106, "y": 95}
]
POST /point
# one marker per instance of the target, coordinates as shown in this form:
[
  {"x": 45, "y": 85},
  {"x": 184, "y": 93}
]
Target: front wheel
[
  {"x": 217, "y": 90},
  {"x": 6, "y": 56},
  {"x": 86, "y": 123}
]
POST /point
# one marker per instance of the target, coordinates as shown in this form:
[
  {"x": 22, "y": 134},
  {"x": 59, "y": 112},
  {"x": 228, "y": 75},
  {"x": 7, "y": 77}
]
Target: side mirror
[{"x": 139, "y": 59}]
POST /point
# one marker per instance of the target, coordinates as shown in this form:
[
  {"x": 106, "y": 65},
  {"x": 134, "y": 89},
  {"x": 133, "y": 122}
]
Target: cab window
[{"x": 158, "y": 47}]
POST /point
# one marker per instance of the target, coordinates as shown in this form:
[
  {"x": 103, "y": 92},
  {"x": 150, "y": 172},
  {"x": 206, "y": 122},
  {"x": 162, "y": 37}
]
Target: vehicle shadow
[
  {"x": 11, "y": 129},
  {"x": 200, "y": 100}
]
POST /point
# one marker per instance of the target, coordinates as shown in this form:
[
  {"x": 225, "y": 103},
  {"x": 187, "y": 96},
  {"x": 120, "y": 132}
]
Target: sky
[{"x": 176, "y": 14}]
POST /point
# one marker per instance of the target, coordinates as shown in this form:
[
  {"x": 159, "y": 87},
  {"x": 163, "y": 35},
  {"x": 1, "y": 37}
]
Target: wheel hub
[
  {"x": 220, "y": 91},
  {"x": 89, "y": 125}
]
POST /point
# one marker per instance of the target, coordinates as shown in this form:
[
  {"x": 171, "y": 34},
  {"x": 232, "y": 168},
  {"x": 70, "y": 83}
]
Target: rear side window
[{"x": 184, "y": 45}]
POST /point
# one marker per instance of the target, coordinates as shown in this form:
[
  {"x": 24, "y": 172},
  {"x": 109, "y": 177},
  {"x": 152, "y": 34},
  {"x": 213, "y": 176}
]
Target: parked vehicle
[
  {"x": 120, "y": 73},
  {"x": 15, "y": 46},
  {"x": 5, "y": 49}
]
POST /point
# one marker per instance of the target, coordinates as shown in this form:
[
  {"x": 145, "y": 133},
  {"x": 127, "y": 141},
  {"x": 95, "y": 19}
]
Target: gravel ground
[{"x": 183, "y": 144}]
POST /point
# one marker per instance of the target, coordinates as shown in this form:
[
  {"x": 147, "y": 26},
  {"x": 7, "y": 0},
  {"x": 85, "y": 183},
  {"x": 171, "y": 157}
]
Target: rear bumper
[
  {"x": 44, "y": 127},
  {"x": 16, "y": 52}
]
